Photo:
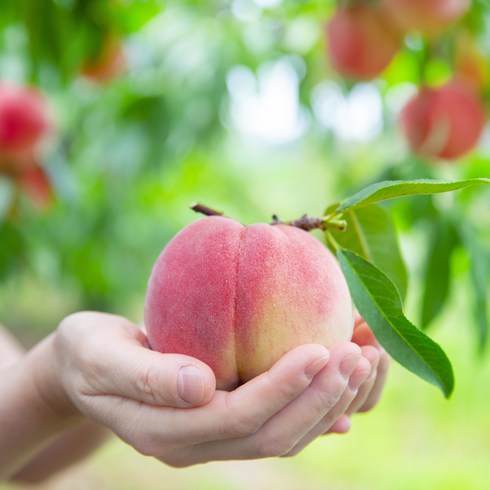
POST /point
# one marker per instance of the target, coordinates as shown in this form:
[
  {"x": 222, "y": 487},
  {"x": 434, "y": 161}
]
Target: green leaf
[
  {"x": 371, "y": 234},
  {"x": 6, "y": 198},
  {"x": 479, "y": 273},
  {"x": 12, "y": 249},
  {"x": 135, "y": 15},
  {"x": 379, "y": 303},
  {"x": 391, "y": 189},
  {"x": 437, "y": 275}
]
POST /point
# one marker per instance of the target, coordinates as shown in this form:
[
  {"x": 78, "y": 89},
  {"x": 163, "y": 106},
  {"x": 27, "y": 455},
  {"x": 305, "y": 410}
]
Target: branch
[
  {"x": 307, "y": 224},
  {"x": 201, "y": 208}
]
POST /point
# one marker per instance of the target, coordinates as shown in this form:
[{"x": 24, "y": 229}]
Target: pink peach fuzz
[
  {"x": 23, "y": 118},
  {"x": 444, "y": 122},
  {"x": 362, "y": 40},
  {"x": 239, "y": 297}
]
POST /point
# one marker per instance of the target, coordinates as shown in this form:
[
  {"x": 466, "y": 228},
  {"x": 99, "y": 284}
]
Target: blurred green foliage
[{"x": 129, "y": 156}]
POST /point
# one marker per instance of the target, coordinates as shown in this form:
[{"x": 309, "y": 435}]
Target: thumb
[{"x": 171, "y": 380}]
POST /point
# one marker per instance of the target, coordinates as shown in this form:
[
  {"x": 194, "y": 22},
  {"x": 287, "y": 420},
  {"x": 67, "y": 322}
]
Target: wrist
[
  {"x": 45, "y": 374},
  {"x": 34, "y": 408}
]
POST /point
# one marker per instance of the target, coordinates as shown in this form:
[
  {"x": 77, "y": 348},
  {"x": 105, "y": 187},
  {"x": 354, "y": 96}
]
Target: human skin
[
  {"x": 97, "y": 367},
  {"x": 239, "y": 297},
  {"x": 10, "y": 349},
  {"x": 66, "y": 449}
]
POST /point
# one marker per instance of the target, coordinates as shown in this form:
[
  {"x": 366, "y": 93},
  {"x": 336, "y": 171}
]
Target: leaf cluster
[{"x": 370, "y": 257}]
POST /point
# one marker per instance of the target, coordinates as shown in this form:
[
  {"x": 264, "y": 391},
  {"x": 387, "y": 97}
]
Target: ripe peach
[
  {"x": 362, "y": 40},
  {"x": 23, "y": 118},
  {"x": 239, "y": 297},
  {"x": 428, "y": 16},
  {"x": 444, "y": 122}
]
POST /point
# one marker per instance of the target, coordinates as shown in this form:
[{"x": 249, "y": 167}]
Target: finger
[
  {"x": 363, "y": 335},
  {"x": 357, "y": 318},
  {"x": 250, "y": 406},
  {"x": 283, "y": 430},
  {"x": 341, "y": 426},
  {"x": 10, "y": 349},
  {"x": 357, "y": 378},
  {"x": 130, "y": 369},
  {"x": 193, "y": 454},
  {"x": 170, "y": 380},
  {"x": 227, "y": 415},
  {"x": 372, "y": 355},
  {"x": 362, "y": 394},
  {"x": 381, "y": 375},
  {"x": 288, "y": 378},
  {"x": 320, "y": 401}
]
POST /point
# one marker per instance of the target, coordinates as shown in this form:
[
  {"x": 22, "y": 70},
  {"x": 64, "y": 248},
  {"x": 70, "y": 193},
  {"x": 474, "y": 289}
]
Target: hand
[
  {"x": 370, "y": 392},
  {"x": 108, "y": 374},
  {"x": 10, "y": 349}
]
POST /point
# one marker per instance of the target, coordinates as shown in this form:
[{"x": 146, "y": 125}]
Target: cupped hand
[
  {"x": 370, "y": 392},
  {"x": 166, "y": 405}
]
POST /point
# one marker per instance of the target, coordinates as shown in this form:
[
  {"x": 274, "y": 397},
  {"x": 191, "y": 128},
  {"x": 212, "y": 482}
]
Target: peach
[
  {"x": 239, "y": 297},
  {"x": 23, "y": 118},
  {"x": 428, "y": 16},
  {"x": 444, "y": 122},
  {"x": 362, "y": 40}
]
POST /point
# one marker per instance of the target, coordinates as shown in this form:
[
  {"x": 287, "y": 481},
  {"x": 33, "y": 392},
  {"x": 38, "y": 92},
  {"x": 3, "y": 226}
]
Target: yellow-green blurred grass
[{"x": 414, "y": 439}]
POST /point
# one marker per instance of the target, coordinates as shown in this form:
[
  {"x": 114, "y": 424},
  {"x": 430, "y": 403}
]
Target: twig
[
  {"x": 201, "y": 208},
  {"x": 307, "y": 224}
]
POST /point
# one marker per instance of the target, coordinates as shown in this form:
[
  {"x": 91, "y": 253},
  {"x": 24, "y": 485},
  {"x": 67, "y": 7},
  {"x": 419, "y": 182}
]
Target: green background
[{"x": 129, "y": 157}]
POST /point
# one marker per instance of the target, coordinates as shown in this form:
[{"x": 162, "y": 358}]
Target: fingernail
[
  {"x": 190, "y": 384},
  {"x": 348, "y": 364},
  {"x": 316, "y": 366}
]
